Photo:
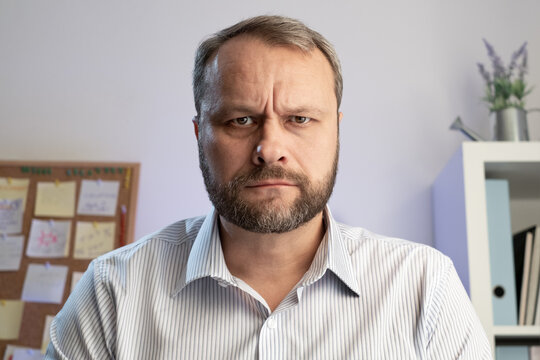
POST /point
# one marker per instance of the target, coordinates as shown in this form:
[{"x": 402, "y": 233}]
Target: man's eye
[
  {"x": 300, "y": 119},
  {"x": 245, "y": 120}
]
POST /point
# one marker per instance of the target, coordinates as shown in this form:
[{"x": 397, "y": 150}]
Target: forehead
[{"x": 246, "y": 66}]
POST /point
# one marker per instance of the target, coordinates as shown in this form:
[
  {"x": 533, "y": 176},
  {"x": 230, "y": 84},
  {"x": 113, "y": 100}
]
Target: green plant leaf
[
  {"x": 499, "y": 103},
  {"x": 489, "y": 96},
  {"x": 518, "y": 89},
  {"x": 503, "y": 88}
]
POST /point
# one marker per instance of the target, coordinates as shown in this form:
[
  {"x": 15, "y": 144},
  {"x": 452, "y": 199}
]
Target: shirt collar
[
  {"x": 206, "y": 257},
  {"x": 332, "y": 255}
]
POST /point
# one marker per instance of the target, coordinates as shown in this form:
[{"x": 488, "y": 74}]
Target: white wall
[{"x": 110, "y": 80}]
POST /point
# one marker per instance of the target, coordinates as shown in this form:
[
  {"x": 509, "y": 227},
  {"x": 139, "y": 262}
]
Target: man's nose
[{"x": 270, "y": 146}]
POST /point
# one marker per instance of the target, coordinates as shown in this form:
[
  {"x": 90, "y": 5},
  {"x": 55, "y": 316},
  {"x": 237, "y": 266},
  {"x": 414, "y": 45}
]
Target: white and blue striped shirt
[{"x": 171, "y": 296}]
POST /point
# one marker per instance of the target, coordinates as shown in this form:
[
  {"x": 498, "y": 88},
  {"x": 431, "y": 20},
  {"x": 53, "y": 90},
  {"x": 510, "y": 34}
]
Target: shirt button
[{"x": 271, "y": 323}]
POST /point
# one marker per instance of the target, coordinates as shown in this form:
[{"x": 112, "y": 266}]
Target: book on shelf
[
  {"x": 527, "y": 274},
  {"x": 534, "y": 277},
  {"x": 534, "y": 352},
  {"x": 537, "y": 315}
]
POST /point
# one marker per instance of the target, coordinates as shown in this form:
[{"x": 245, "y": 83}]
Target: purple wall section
[{"x": 449, "y": 217}]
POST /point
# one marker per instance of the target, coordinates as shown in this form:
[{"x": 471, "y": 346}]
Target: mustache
[{"x": 269, "y": 172}]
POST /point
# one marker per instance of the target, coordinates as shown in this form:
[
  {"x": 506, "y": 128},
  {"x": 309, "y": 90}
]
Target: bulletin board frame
[{"x": 11, "y": 283}]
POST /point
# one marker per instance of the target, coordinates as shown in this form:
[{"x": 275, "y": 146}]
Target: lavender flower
[
  {"x": 503, "y": 89},
  {"x": 515, "y": 57},
  {"x": 523, "y": 66},
  {"x": 484, "y": 73},
  {"x": 498, "y": 65}
]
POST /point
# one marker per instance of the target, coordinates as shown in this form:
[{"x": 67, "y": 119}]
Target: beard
[{"x": 269, "y": 215}]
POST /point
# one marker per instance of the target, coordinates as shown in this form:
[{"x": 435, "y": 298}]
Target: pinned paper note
[
  {"x": 46, "y": 333},
  {"x": 27, "y": 354},
  {"x": 75, "y": 277},
  {"x": 93, "y": 239},
  {"x": 11, "y": 248},
  {"x": 11, "y": 312},
  {"x": 49, "y": 239},
  {"x": 10, "y": 349},
  {"x": 98, "y": 197},
  {"x": 44, "y": 283},
  {"x": 56, "y": 199},
  {"x": 12, "y": 189},
  {"x": 11, "y": 216}
]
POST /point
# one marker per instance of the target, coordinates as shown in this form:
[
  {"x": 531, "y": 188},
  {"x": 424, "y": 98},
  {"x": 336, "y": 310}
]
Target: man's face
[{"x": 268, "y": 134}]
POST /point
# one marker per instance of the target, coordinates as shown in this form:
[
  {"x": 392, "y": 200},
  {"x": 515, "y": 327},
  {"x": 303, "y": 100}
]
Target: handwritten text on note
[
  {"x": 11, "y": 216},
  {"x": 93, "y": 239},
  {"x": 98, "y": 197}
]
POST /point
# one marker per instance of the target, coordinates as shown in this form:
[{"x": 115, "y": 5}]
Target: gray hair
[{"x": 273, "y": 30}]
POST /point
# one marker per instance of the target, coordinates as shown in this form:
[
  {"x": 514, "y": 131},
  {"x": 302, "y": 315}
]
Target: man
[{"x": 268, "y": 273}]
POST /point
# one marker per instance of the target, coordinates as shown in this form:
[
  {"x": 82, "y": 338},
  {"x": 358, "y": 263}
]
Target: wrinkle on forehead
[{"x": 248, "y": 71}]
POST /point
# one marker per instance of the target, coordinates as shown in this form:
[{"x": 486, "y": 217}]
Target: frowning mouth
[{"x": 269, "y": 183}]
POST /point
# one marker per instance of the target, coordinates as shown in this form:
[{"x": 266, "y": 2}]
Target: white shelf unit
[
  {"x": 460, "y": 221},
  {"x": 513, "y": 332}
]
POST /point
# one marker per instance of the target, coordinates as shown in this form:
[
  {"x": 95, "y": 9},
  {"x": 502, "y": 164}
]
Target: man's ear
[
  {"x": 340, "y": 116},
  {"x": 196, "y": 126}
]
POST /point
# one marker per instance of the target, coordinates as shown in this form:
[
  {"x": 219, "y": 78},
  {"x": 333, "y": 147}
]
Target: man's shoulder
[
  {"x": 177, "y": 235},
  {"x": 179, "y": 232},
  {"x": 362, "y": 243},
  {"x": 401, "y": 267}
]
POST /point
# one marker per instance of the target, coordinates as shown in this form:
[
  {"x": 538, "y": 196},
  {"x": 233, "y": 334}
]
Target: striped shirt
[{"x": 171, "y": 296}]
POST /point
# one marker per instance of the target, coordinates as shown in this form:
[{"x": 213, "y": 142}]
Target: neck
[{"x": 272, "y": 264}]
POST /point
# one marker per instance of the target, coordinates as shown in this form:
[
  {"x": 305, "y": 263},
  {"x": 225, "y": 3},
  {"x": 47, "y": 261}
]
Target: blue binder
[
  {"x": 512, "y": 352},
  {"x": 501, "y": 252}
]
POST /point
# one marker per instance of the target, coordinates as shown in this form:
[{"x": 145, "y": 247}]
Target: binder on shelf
[
  {"x": 503, "y": 282},
  {"x": 523, "y": 242},
  {"x": 511, "y": 352}
]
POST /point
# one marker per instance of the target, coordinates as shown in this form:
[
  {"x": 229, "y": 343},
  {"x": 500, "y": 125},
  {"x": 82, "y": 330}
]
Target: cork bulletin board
[{"x": 124, "y": 176}]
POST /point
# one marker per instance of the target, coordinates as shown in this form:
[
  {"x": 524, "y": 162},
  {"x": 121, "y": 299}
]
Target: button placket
[
  {"x": 271, "y": 323},
  {"x": 269, "y": 338}
]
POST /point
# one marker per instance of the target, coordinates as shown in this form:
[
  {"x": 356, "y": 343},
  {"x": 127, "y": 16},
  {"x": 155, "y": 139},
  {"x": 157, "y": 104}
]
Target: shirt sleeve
[
  {"x": 85, "y": 328},
  {"x": 456, "y": 330}
]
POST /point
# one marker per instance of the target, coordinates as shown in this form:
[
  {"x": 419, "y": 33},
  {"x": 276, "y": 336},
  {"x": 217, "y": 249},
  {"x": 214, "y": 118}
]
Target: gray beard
[{"x": 264, "y": 216}]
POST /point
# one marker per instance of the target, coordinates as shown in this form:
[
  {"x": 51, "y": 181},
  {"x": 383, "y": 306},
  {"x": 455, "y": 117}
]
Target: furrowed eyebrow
[
  {"x": 305, "y": 110},
  {"x": 227, "y": 111}
]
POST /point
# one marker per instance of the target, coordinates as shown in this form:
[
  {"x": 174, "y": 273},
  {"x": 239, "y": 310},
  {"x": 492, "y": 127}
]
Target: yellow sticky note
[
  {"x": 92, "y": 240},
  {"x": 11, "y": 312},
  {"x": 46, "y": 338},
  {"x": 16, "y": 189},
  {"x": 56, "y": 199}
]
